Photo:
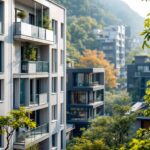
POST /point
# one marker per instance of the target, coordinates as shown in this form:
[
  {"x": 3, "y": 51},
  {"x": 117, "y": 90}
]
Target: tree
[
  {"x": 85, "y": 144},
  {"x": 121, "y": 98},
  {"x": 113, "y": 131},
  {"x": 93, "y": 58},
  {"x": 15, "y": 119}
]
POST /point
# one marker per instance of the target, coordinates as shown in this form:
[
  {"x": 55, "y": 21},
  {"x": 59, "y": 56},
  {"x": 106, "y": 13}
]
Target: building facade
[
  {"x": 111, "y": 40},
  {"x": 138, "y": 73},
  {"x": 32, "y": 70},
  {"x": 85, "y": 95}
]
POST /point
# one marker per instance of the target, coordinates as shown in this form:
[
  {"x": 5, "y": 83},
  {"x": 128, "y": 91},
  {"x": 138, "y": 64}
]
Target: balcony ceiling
[{"x": 30, "y": 3}]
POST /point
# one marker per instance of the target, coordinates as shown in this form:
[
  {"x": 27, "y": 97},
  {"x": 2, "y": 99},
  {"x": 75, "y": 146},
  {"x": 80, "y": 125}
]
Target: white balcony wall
[{"x": 43, "y": 98}]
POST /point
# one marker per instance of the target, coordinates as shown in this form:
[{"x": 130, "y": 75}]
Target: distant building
[
  {"x": 111, "y": 40},
  {"x": 85, "y": 95},
  {"x": 138, "y": 73}
]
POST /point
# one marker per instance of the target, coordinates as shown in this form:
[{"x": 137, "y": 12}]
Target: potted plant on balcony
[
  {"x": 30, "y": 53},
  {"x": 46, "y": 22},
  {"x": 21, "y": 14},
  {"x": 31, "y": 57}
]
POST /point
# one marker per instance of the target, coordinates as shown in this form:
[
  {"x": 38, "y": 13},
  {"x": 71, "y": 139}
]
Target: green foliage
[
  {"x": 85, "y": 144},
  {"x": 142, "y": 139},
  {"x": 146, "y": 32},
  {"x": 22, "y": 15},
  {"x": 113, "y": 99},
  {"x": 16, "y": 119},
  {"x": 46, "y": 22},
  {"x": 34, "y": 147},
  {"x": 112, "y": 131},
  {"x": 30, "y": 53}
]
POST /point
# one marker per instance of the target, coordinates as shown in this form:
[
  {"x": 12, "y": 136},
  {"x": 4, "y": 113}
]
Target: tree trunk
[{"x": 8, "y": 142}]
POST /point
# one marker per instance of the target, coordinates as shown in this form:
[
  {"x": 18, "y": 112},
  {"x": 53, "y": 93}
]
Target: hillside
[
  {"x": 106, "y": 12},
  {"x": 86, "y": 15}
]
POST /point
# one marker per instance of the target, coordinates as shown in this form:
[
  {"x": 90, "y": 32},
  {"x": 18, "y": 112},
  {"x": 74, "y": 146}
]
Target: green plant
[
  {"x": 46, "y": 22},
  {"x": 22, "y": 15},
  {"x": 16, "y": 119},
  {"x": 30, "y": 53}
]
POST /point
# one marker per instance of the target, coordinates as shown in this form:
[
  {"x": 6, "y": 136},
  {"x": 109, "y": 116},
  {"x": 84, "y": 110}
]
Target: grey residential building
[
  {"x": 138, "y": 73},
  {"x": 85, "y": 95},
  {"x": 38, "y": 83},
  {"x": 111, "y": 40}
]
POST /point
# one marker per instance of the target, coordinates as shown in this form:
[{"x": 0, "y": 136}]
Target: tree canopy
[{"x": 93, "y": 58}]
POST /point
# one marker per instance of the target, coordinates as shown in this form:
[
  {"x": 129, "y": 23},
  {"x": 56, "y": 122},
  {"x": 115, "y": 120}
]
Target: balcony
[
  {"x": 34, "y": 66},
  {"x": 28, "y": 32},
  {"x": 35, "y": 102},
  {"x": 28, "y": 138}
]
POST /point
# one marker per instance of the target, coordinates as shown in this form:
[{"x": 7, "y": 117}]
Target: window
[
  {"x": 62, "y": 113},
  {"x": 1, "y": 57},
  {"x": 54, "y": 60},
  {"x": 31, "y": 19},
  {"x": 62, "y": 143},
  {"x": 1, "y": 17},
  {"x": 1, "y": 141},
  {"x": 62, "y": 83},
  {"x": 54, "y": 27},
  {"x": 62, "y": 30},
  {"x": 54, "y": 85},
  {"x": 1, "y": 90},
  {"x": 62, "y": 57},
  {"x": 54, "y": 112},
  {"x": 54, "y": 140}
]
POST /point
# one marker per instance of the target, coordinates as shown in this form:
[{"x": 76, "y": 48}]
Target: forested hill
[
  {"x": 86, "y": 15},
  {"x": 106, "y": 12}
]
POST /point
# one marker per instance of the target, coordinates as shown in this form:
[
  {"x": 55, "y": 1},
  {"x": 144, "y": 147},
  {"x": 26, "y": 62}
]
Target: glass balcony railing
[
  {"x": 33, "y": 31},
  {"x": 36, "y": 99},
  {"x": 80, "y": 84},
  {"x": 32, "y": 135},
  {"x": 34, "y": 66}
]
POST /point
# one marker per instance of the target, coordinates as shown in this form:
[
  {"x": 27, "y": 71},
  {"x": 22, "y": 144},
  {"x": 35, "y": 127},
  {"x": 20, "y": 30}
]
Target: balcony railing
[
  {"x": 32, "y": 31},
  {"x": 35, "y": 100},
  {"x": 32, "y": 135},
  {"x": 1, "y": 27},
  {"x": 38, "y": 99},
  {"x": 34, "y": 66},
  {"x": 88, "y": 83}
]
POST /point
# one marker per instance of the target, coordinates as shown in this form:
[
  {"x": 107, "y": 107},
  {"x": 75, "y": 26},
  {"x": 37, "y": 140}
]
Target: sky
[{"x": 141, "y": 7}]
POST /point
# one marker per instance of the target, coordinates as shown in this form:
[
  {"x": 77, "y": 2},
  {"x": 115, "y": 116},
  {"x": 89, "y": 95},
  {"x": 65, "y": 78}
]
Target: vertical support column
[
  {"x": 34, "y": 90},
  {"x": 35, "y": 13},
  {"x": 27, "y": 93},
  {"x": 42, "y": 17}
]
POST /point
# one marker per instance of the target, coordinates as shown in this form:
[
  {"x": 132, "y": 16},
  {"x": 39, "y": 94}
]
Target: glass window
[
  {"x": 1, "y": 17},
  {"x": 62, "y": 113},
  {"x": 54, "y": 140},
  {"x": 55, "y": 29},
  {"x": 54, "y": 112},
  {"x": 62, "y": 57},
  {"x": 54, "y": 60},
  {"x": 54, "y": 84},
  {"x": 1, "y": 57},
  {"x": 1, "y": 141},
  {"x": 62, "y": 83},
  {"x": 79, "y": 98},
  {"x": 1, "y": 90},
  {"x": 62, "y": 30}
]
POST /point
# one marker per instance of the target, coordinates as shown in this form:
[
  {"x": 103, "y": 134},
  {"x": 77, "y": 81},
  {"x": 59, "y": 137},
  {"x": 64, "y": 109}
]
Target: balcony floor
[
  {"x": 31, "y": 141},
  {"x": 33, "y": 40}
]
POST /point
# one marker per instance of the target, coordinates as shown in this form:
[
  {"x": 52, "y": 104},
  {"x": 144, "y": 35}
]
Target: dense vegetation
[{"x": 86, "y": 15}]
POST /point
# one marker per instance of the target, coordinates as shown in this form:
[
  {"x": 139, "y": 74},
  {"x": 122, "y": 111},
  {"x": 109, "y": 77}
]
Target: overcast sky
[{"x": 143, "y": 8}]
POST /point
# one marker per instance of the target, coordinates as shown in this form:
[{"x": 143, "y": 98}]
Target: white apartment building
[
  {"x": 33, "y": 71},
  {"x": 112, "y": 43}
]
